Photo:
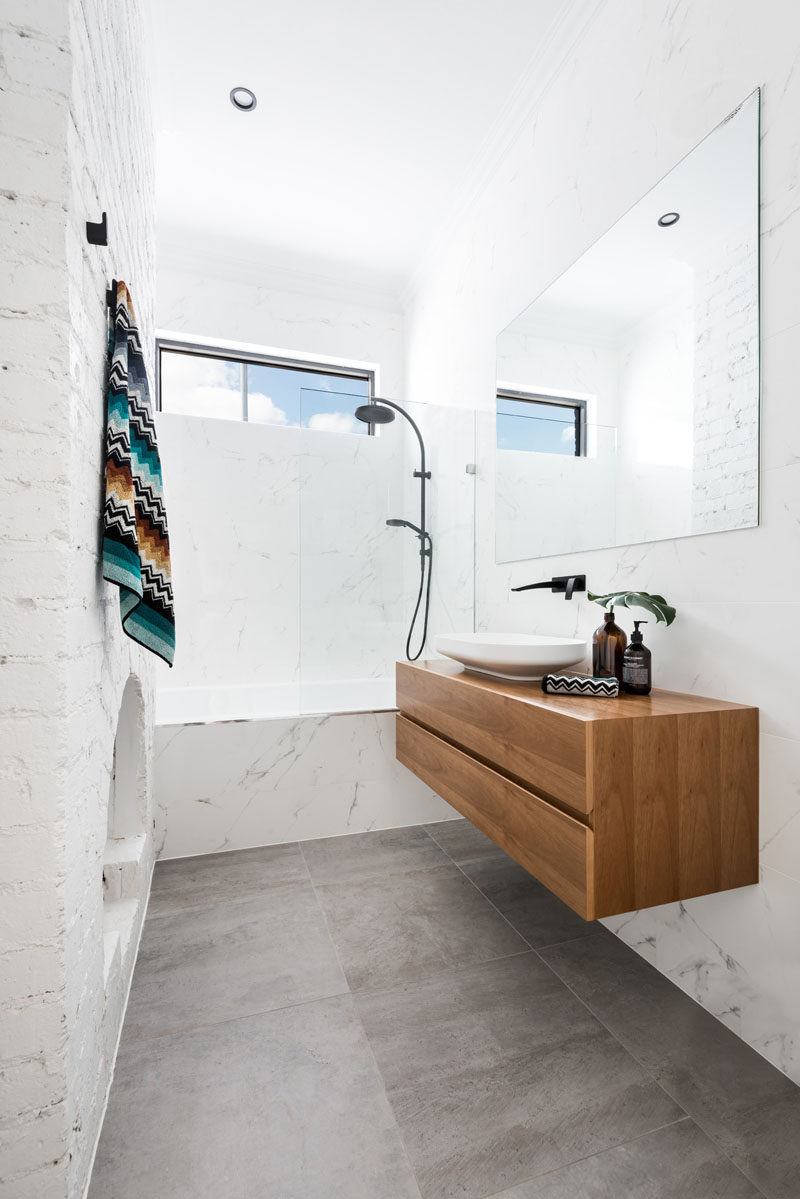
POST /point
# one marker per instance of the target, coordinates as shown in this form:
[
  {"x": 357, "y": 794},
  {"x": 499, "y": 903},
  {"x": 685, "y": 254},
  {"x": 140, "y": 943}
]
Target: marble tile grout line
[
  {"x": 594, "y": 1014},
  {"x": 357, "y": 1016}
]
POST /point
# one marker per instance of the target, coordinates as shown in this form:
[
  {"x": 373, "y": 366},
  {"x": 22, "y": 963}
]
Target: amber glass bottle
[{"x": 608, "y": 647}]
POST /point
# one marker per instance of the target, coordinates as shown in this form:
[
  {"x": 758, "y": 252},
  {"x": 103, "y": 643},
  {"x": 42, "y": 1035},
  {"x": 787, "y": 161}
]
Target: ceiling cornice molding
[
  {"x": 214, "y": 259},
  {"x": 515, "y": 117}
]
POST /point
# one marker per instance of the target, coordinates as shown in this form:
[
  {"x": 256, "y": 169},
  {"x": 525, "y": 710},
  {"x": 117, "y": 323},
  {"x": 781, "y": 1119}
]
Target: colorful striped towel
[{"x": 135, "y": 537}]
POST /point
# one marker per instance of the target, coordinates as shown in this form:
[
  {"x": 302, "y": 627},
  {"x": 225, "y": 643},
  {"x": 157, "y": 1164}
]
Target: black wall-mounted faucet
[{"x": 565, "y": 585}]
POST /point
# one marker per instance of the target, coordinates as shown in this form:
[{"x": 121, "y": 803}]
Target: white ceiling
[{"x": 369, "y": 117}]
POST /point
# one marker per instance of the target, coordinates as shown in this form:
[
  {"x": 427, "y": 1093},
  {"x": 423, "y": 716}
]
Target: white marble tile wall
[
  {"x": 350, "y": 567},
  {"x": 284, "y": 568},
  {"x": 233, "y": 501},
  {"x": 656, "y": 76},
  {"x": 236, "y": 784}
]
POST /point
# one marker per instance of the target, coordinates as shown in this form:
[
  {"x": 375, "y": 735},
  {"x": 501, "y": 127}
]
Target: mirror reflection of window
[{"x": 540, "y": 424}]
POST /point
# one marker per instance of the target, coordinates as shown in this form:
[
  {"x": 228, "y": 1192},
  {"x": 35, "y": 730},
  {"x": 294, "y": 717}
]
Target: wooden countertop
[{"x": 577, "y": 707}]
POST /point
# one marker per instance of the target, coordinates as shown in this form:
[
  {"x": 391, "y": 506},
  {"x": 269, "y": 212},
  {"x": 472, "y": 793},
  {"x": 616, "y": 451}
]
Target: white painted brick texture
[{"x": 76, "y": 139}]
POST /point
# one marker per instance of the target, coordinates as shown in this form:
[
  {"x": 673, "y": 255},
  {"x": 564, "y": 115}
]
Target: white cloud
[
  {"x": 197, "y": 386},
  {"x": 262, "y": 410}
]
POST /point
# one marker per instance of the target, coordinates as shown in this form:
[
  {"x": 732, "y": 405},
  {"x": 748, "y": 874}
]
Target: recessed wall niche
[{"x": 125, "y": 837}]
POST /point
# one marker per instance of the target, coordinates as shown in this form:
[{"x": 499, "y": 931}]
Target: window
[
  {"x": 541, "y": 424},
  {"x": 200, "y": 381}
]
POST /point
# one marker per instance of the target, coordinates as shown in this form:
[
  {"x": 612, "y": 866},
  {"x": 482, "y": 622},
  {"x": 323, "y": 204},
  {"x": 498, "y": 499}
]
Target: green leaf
[{"x": 656, "y": 604}]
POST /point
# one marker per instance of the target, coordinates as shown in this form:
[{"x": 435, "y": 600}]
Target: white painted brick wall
[{"x": 76, "y": 139}]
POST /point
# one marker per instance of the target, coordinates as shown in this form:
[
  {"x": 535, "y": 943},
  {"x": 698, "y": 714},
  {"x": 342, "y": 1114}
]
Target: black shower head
[
  {"x": 405, "y": 524},
  {"x": 374, "y": 414}
]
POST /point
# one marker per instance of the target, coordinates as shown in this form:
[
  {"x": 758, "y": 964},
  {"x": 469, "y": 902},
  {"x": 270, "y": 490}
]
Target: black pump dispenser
[{"x": 637, "y": 672}]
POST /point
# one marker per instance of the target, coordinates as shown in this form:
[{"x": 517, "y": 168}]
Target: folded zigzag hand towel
[{"x": 135, "y": 537}]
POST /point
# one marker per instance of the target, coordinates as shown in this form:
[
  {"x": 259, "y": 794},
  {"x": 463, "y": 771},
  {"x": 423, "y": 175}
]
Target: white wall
[
  {"x": 229, "y": 301},
  {"x": 77, "y": 140},
  {"x": 647, "y": 81}
]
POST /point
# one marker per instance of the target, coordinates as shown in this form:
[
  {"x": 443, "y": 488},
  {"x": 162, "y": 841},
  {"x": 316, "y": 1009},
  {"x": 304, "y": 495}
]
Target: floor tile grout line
[
  {"x": 493, "y": 905},
  {"x": 599, "y": 1020},
  {"x": 389, "y": 1103},
  {"x": 589, "y": 1156},
  {"x": 445, "y": 972},
  {"x": 651, "y": 1075},
  {"x": 268, "y": 1011},
  {"x": 574, "y": 993},
  {"x": 357, "y": 1015},
  {"x": 566, "y": 941},
  {"x": 378, "y": 877}
]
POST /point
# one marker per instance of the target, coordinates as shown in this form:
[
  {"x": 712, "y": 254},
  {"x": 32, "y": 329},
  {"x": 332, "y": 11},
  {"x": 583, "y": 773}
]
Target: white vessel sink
[{"x": 521, "y": 656}]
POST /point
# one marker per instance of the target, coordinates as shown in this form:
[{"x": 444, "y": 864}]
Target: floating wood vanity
[{"x": 614, "y": 804}]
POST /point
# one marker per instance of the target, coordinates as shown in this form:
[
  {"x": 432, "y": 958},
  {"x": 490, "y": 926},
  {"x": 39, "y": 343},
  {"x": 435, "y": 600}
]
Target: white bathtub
[
  {"x": 204, "y": 705},
  {"x": 238, "y": 767}
]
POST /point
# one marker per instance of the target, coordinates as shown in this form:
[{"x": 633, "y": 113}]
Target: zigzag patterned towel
[
  {"x": 135, "y": 538},
  {"x": 580, "y": 684}
]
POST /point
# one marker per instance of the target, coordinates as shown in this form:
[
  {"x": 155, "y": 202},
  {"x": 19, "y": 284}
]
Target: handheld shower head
[{"x": 404, "y": 524}]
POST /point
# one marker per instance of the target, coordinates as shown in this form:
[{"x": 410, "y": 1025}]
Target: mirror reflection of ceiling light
[
  {"x": 669, "y": 218},
  {"x": 243, "y": 99}
]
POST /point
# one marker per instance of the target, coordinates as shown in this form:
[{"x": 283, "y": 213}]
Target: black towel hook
[{"x": 97, "y": 231}]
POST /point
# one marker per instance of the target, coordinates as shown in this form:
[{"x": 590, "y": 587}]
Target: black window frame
[
  {"x": 577, "y": 406},
  {"x": 254, "y": 358}
]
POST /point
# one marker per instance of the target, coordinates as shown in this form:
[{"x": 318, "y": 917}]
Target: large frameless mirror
[{"x": 628, "y": 392}]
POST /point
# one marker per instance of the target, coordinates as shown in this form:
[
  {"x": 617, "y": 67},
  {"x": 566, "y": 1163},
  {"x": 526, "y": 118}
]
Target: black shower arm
[
  {"x": 422, "y": 474},
  {"x": 426, "y": 474}
]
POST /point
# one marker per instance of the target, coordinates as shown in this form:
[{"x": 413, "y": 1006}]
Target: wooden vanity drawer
[
  {"x": 614, "y": 804},
  {"x": 541, "y": 748},
  {"x": 553, "y": 846}
]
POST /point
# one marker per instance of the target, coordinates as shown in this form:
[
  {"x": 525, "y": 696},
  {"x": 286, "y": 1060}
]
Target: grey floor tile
[
  {"x": 212, "y": 878},
  {"x": 362, "y": 856},
  {"x": 287, "y": 1104},
  {"x": 677, "y": 1162},
  {"x": 536, "y": 913},
  {"x": 204, "y": 964},
  {"x": 747, "y": 1106},
  {"x": 497, "y": 1073},
  {"x": 404, "y": 927},
  {"x": 460, "y": 840}
]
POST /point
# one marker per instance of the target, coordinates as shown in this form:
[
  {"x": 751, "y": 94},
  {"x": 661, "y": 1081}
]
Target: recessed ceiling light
[
  {"x": 243, "y": 99},
  {"x": 669, "y": 218}
]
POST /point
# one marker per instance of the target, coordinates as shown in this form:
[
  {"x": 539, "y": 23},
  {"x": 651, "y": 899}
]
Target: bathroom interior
[{"x": 399, "y": 736}]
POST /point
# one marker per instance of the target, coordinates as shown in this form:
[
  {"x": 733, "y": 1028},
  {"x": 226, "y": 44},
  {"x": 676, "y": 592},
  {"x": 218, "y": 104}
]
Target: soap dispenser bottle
[
  {"x": 637, "y": 671},
  {"x": 608, "y": 648}
]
